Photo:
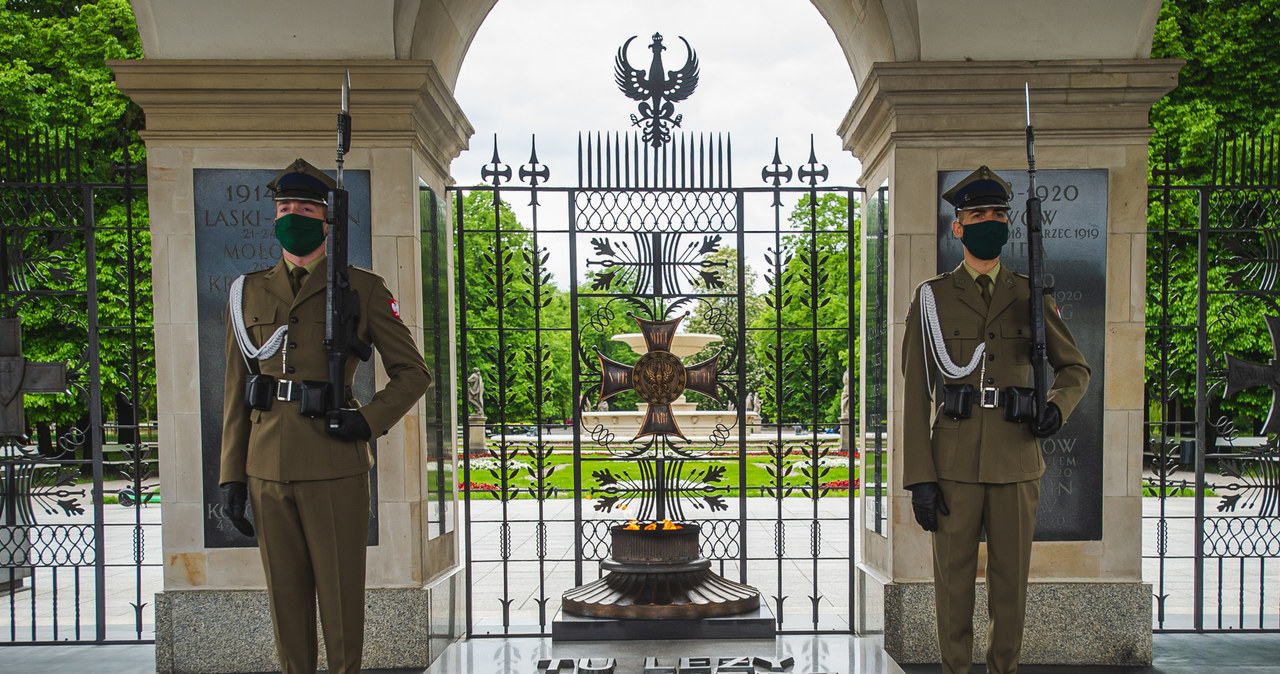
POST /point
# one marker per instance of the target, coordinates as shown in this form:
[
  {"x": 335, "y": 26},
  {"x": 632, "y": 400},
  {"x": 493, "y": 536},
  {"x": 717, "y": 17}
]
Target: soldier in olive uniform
[
  {"x": 970, "y": 470},
  {"x": 308, "y": 480}
]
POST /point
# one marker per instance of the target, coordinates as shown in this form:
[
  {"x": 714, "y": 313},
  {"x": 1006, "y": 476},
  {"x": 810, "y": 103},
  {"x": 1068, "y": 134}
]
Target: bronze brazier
[{"x": 658, "y": 574}]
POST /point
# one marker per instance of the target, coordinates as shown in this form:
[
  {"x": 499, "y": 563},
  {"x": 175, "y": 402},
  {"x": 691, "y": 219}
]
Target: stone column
[
  {"x": 212, "y": 615},
  {"x": 1087, "y": 602}
]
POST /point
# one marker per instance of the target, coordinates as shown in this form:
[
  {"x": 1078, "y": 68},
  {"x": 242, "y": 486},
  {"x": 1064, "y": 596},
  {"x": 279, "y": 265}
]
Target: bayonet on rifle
[
  {"x": 342, "y": 302},
  {"x": 1035, "y": 270}
]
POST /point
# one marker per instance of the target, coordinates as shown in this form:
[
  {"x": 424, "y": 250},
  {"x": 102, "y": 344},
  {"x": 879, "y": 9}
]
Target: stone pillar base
[
  {"x": 1067, "y": 623},
  {"x": 475, "y": 441},
  {"x": 217, "y": 631}
]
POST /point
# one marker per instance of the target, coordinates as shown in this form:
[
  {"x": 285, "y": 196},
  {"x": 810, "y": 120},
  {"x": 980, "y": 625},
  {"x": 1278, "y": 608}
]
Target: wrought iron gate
[
  {"x": 79, "y": 534},
  {"x": 1212, "y": 466},
  {"x": 547, "y": 276}
]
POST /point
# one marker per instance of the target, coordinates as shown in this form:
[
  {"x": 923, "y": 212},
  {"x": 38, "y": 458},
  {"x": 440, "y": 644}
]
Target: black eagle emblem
[{"x": 656, "y": 89}]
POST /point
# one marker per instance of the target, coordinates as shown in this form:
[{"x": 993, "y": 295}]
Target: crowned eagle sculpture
[{"x": 656, "y": 89}]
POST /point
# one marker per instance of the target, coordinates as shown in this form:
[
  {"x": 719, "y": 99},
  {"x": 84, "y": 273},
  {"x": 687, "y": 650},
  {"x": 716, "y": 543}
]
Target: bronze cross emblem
[
  {"x": 658, "y": 377},
  {"x": 18, "y": 376},
  {"x": 1243, "y": 374}
]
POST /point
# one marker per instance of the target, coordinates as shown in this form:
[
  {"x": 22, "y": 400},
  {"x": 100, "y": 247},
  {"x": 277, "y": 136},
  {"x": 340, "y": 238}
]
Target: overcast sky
[{"x": 768, "y": 68}]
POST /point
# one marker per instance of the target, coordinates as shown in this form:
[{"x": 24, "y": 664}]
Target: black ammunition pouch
[
  {"x": 313, "y": 400},
  {"x": 957, "y": 400},
  {"x": 259, "y": 391},
  {"x": 1019, "y": 404}
]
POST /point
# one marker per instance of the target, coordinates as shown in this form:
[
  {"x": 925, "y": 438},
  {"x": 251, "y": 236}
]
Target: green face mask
[
  {"x": 985, "y": 239},
  {"x": 299, "y": 234}
]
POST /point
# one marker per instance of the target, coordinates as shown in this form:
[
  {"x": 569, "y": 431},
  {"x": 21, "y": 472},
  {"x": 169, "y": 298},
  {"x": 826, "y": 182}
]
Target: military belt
[
  {"x": 991, "y": 397},
  {"x": 287, "y": 391},
  {"x": 291, "y": 391}
]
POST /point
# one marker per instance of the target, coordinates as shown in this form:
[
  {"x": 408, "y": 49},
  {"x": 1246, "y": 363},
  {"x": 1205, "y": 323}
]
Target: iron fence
[
  {"x": 79, "y": 557},
  {"x": 1211, "y": 474},
  {"x": 763, "y": 280}
]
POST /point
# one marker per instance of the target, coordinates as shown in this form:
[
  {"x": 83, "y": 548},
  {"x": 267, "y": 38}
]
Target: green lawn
[{"x": 797, "y": 472}]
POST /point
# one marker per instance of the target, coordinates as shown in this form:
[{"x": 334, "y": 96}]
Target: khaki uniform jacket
[
  {"x": 280, "y": 444},
  {"x": 984, "y": 447}
]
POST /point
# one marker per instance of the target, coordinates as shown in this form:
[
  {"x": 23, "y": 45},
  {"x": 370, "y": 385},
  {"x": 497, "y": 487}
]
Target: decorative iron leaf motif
[
  {"x": 656, "y": 260},
  {"x": 700, "y": 487}
]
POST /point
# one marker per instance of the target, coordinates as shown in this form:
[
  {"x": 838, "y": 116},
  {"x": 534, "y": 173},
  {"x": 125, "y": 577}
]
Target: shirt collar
[
  {"x": 973, "y": 273},
  {"x": 312, "y": 265}
]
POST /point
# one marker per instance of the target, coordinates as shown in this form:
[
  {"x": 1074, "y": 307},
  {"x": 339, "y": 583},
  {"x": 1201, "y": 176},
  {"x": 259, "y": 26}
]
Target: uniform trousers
[
  {"x": 1007, "y": 512},
  {"x": 312, "y": 537}
]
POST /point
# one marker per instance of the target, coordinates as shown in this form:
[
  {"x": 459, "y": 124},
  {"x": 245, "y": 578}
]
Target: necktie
[
  {"x": 984, "y": 282},
  {"x": 297, "y": 276}
]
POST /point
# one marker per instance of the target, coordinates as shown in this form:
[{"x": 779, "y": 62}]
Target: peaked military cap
[
  {"x": 980, "y": 189},
  {"x": 303, "y": 182}
]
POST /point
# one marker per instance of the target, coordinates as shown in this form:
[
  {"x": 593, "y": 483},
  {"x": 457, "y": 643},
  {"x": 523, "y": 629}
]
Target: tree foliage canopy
[
  {"x": 1229, "y": 87},
  {"x": 1230, "y": 83},
  {"x": 54, "y": 82}
]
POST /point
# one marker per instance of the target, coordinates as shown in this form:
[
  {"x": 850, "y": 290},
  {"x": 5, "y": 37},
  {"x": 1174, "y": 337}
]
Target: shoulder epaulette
[{"x": 931, "y": 279}]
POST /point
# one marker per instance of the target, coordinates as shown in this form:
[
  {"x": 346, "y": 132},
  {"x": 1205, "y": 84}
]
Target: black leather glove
[
  {"x": 1048, "y": 425},
  {"x": 347, "y": 425},
  {"x": 234, "y": 497},
  {"x": 926, "y": 502}
]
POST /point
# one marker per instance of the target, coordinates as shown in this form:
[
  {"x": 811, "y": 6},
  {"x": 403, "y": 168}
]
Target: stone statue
[
  {"x": 603, "y": 406},
  {"x": 844, "y": 396},
  {"x": 475, "y": 392},
  {"x": 753, "y": 402}
]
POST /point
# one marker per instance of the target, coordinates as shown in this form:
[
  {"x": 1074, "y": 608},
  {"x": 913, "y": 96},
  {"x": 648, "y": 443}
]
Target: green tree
[
  {"x": 802, "y": 342},
  {"x": 54, "y": 83},
  {"x": 1230, "y": 84},
  {"x": 1229, "y": 87},
  {"x": 719, "y": 315},
  {"x": 53, "y": 75},
  {"x": 516, "y": 317}
]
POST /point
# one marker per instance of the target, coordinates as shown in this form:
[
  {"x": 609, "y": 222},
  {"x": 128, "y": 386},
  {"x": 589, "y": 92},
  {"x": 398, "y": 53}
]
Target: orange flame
[{"x": 667, "y": 525}]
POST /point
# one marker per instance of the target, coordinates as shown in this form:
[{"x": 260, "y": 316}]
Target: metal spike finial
[
  {"x": 813, "y": 171},
  {"x": 533, "y": 172},
  {"x": 495, "y": 171},
  {"x": 776, "y": 172}
]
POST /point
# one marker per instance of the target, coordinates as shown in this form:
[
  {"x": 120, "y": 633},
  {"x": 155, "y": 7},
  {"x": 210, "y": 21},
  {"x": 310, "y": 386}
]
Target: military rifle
[
  {"x": 342, "y": 302},
  {"x": 1035, "y": 270}
]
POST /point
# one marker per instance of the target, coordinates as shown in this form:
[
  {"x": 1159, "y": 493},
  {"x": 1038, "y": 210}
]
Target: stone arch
[{"x": 441, "y": 31}]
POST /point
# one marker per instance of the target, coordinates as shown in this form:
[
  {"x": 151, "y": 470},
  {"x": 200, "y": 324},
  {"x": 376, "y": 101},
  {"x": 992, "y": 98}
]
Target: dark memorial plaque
[
  {"x": 234, "y": 227},
  {"x": 1074, "y": 203}
]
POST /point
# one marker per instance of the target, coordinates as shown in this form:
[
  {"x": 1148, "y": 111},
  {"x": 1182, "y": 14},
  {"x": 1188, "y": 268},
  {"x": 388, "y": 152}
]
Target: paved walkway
[{"x": 1238, "y": 594}]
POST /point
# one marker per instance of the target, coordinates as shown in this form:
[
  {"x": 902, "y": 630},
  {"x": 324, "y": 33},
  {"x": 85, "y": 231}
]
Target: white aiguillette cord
[
  {"x": 268, "y": 348},
  {"x": 929, "y": 324}
]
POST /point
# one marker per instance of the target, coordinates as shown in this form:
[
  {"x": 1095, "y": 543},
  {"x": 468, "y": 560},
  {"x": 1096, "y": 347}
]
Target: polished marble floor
[{"x": 1231, "y": 653}]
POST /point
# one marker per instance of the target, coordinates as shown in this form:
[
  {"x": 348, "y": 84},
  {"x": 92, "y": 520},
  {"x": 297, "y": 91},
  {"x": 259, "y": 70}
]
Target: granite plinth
[
  {"x": 756, "y": 624},
  {"x": 225, "y": 631},
  {"x": 1066, "y": 623}
]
